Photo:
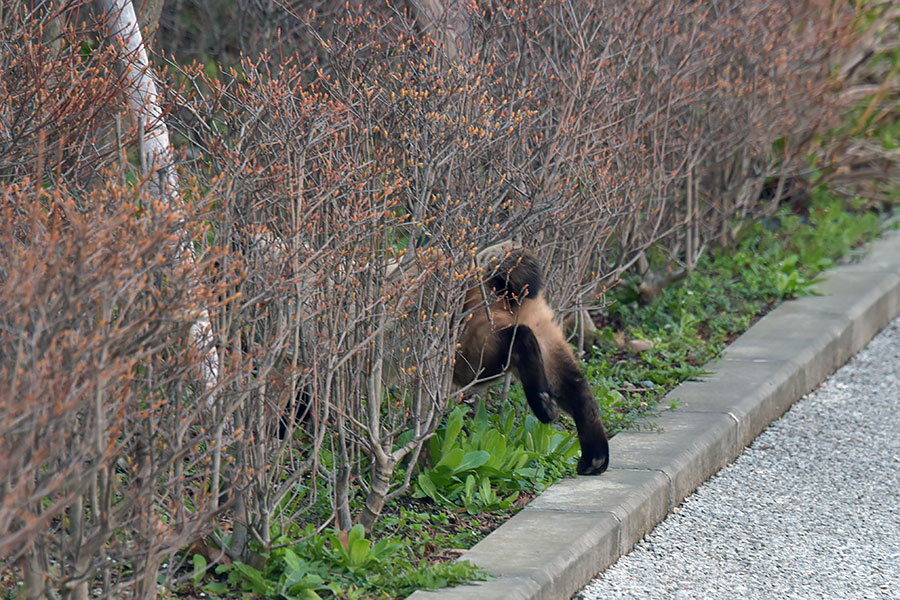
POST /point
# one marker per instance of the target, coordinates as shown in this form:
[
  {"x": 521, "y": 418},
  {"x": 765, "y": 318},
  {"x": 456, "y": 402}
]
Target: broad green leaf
[
  {"x": 487, "y": 494},
  {"x": 357, "y": 532},
  {"x": 358, "y": 551},
  {"x": 254, "y": 580},
  {"x": 520, "y": 462},
  {"x": 470, "y": 486},
  {"x": 494, "y": 472},
  {"x": 454, "y": 426},
  {"x": 481, "y": 416},
  {"x": 451, "y": 458},
  {"x": 291, "y": 560},
  {"x": 508, "y": 420},
  {"x": 199, "y": 568},
  {"x": 216, "y": 587},
  {"x": 384, "y": 548},
  {"x": 472, "y": 460}
]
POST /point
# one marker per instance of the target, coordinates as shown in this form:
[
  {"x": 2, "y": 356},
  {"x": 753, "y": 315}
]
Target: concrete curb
[{"x": 580, "y": 526}]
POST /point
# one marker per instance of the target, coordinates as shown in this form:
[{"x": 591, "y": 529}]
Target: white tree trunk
[
  {"x": 142, "y": 92},
  {"x": 157, "y": 158}
]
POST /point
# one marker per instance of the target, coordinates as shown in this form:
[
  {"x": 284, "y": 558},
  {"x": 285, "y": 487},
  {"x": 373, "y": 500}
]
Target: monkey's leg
[{"x": 521, "y": 346}]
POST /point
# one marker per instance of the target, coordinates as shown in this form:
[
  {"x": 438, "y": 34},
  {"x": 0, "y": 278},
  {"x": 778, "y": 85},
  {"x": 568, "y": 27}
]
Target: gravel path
[{"x": 810, "y": 510}]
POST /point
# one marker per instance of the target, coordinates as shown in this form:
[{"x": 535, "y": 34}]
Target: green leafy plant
[
  {"x": 341, "y": 565},
  {"x": 357, "y": 554},
  {"x": 483, "y": 463},
  {"x": 201, "y": 572},
  {"x": 790, "y": 281}
]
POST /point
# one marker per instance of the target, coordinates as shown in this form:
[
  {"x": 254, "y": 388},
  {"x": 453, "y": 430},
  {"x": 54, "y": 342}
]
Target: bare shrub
[
  {"x": 102, "y": 462},
  {"x": 337, "y": 190},
  {"x": 105, "y": 462},
  {"x": 585, "y": 133}
]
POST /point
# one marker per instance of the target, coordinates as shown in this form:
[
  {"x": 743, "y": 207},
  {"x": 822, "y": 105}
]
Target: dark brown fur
[{"x": 517, "y": 331}]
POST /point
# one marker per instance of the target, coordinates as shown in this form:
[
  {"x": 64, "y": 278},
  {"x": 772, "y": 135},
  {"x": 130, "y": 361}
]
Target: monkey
[
  {"x": 511, "y": 327},
  {"x": 515, "y": 330}
]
